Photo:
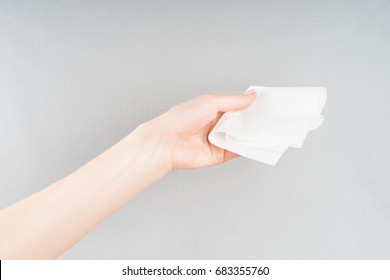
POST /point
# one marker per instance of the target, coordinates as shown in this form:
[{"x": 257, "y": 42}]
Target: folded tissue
[{"x": 279, "y": 118}]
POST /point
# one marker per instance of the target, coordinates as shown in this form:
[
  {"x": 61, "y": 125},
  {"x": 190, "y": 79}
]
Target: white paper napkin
[{"x": 279, "y": 118}]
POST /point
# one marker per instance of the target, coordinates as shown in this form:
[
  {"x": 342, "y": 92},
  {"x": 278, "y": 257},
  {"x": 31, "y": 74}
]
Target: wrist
[{"x": 153, "y": 143}]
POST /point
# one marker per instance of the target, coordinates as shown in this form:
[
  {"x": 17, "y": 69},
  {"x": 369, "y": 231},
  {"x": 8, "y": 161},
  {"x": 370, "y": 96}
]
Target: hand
[
  {"x": 185, "y": 129},
  {"x": 178, "y": 139}
]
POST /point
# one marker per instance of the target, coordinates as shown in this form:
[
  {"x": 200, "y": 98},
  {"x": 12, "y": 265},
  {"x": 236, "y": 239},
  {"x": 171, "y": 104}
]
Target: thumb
[{"x": 234, "y": 102}]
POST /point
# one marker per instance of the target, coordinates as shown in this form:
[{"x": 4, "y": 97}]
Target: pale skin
[{"x": 47, "y": 224}]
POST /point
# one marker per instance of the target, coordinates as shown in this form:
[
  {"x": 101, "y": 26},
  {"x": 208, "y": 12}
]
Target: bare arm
[{"x": 48, "y": 223}]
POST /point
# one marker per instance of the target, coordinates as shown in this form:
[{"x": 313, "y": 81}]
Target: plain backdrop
[{"x": 77, "y": 76}]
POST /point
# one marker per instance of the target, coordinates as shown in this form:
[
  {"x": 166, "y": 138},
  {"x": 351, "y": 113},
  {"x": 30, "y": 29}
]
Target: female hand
[
  {"x": 184, "y": 129},
  {"x": 177, "y": 139}
]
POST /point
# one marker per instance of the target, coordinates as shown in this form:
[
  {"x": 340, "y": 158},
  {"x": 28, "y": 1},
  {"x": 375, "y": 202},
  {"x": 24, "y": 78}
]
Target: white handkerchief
[{"x": 279, "y": 118}]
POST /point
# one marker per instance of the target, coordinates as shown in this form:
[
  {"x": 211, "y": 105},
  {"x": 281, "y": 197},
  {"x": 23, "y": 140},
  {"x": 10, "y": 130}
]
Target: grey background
[{"x": 77, "y": 76}]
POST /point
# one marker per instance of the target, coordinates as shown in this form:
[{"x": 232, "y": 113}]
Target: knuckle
[
  {"x": 175, "y": 109},
  {"x": 207, "y": 97}
]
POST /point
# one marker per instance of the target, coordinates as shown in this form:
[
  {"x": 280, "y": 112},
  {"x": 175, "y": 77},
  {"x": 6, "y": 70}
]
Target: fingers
[
  {"x": 229, "y": 155},
  {"x": 233, "y": 102}
]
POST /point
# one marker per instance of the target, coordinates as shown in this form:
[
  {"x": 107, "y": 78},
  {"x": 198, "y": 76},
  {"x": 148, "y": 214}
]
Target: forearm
[{"x": 48, "y": 223}]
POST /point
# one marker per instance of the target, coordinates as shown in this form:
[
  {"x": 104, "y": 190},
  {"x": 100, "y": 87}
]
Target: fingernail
[{"x": 250, "y": 91}]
